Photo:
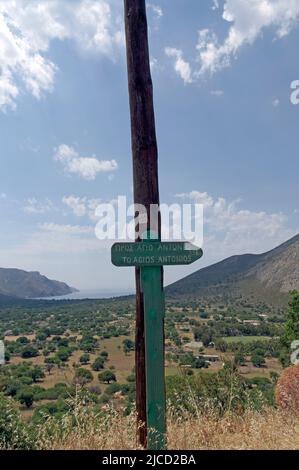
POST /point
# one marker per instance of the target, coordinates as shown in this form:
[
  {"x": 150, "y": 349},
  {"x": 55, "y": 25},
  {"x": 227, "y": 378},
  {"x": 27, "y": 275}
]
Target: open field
[
  {"x": 245, "y": 339},
  {"x": 59, "y": 335}
]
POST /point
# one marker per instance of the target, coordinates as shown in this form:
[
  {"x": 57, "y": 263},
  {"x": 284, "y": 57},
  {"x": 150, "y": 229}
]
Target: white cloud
[
  {"x": 82, "y": 206},
  {"x": 182, "y": 68},
  {"x": 61, "y": 240},
  {"x": 8, "y": 91},
  {"x": 76, "y": 204},
  {"x": 3, "y": 196},
  {"x": 27, "y": 28},
  {"x": 198, "y": 197},
  {"x": 276, "y": 103},
  {"x": 231, "y": 230},
  {"x": 247, "y": 20},
  {"x": 19, "y": 59},
  {"x": 153, "y": 63},
  {"x": 217, "y": 93},
  {"x": 98, "y": 28},
  {"x": 69, "y": 229},
  {"x": 86, "y": 167},
  {"x": 27, "y": 145},
  {"x": 33, "y": 206},
  {"x": 156, "y": 9},
  {"x": 155, "y": 15}
]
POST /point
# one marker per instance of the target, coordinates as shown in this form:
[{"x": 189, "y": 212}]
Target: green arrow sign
[
  {"x": 150, "y": 255},
  {"x": 154, "y": 253}
]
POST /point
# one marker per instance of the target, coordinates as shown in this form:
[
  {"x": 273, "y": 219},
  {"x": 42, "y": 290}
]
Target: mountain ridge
[
  {"x": 22, "y": 284},
  {"x": 270, "y": 274}
]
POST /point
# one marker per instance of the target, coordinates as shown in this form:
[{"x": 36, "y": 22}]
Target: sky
[{"x": 227, "y": 129}]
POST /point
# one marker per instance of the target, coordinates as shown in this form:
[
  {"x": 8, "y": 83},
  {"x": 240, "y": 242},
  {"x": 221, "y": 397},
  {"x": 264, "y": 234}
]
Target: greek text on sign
[{"x": 155, "y": 253}]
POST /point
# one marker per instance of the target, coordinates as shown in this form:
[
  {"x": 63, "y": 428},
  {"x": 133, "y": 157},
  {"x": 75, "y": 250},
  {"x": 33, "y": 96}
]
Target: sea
[{"x": 92, "y": 294}]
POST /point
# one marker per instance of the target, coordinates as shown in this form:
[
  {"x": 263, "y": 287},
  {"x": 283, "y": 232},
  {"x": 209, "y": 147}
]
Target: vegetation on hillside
[
  {"x": 70, "y": 365},
  {"x": 267, "y": 277},
  {"x": 81, "y": 428}
]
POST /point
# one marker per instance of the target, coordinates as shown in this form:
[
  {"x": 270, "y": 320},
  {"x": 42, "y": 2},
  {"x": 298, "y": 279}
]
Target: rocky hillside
[
  {"x": 269, "y": 276},
  {"x": 23, "y": 284}
]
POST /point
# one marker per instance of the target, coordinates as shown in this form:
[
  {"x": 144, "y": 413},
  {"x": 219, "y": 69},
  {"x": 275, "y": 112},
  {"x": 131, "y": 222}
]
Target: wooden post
[{"x": 145, "y": 165}]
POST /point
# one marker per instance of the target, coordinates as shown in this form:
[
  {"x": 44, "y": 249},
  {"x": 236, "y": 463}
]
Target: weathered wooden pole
[{"x": 145, "y": 167}]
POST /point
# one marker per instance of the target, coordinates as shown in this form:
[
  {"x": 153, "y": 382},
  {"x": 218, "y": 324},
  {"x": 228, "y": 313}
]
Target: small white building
[{"x": 209, "y": 357}]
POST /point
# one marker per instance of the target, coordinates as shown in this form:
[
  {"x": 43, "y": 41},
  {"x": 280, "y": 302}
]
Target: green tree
[
  {"x": 14, "y": 433},
  {"x": 199, "y": 363},
  {"x": 36, "y": 373},
  {"x": 204, "y": 315},
  {"x": 63, "y": 354},
  {"x": 128, "y": 346},
  {"x": 12, "y": 387},
  {"x": 25, "y": 396},
  {"x": 291, "y": 331},
  {"x": 84, "y": 359},
  {"x": 107, "y": 377},
  {"x": 7, "y": 356},
  {"x": 28, "y": 352},
  {"x": 258, "y": 360},
  {"x": 49, "y": 366},
  {"x": 240, "y": 359},
  {"x": 23, "y": 340},
  {"x": 83, "y": 376},
  {"x": 206, "y": 339},
  {"x": 98, "y": 364}
]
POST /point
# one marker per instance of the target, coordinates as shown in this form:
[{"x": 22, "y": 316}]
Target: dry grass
[{"x": 270, "y": 430}]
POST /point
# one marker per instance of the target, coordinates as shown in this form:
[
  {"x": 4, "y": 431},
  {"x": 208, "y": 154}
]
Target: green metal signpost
[
  {"x": 150, "y": 255},
  {"x": 154, "y": 253}
]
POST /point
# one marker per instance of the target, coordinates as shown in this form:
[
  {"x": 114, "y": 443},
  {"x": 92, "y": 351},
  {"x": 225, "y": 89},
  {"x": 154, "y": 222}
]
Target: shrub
[
  {"x": 113, "y": 388},
  {"x": 107, "y": 377},
  {"x": 83, "y": 376},
  {"x": 63, "y": 354},
  {"x": 291, "y": 330},
  {"x": 128, "y": 346},
  {"x": 25, "y": 396},
  {"x": 14, "y": 434},
  {"x": 287, "y": 389},
  {"x": 36, "y": 373},
  {"x": 224, "y": 391},
  {"x": 84, "y": 359},
  {"x": 95, "y": 390},
  {"x": 23, "y": 340},
  {"x": 98, "y": 364},
  {"x": 12, "y": 387},
  {"x": 28, "y": 352},
  {"x": 56, "y": 410},
  {"x": 131, "y": 378},
  {"x": 258, "y": 360}
]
